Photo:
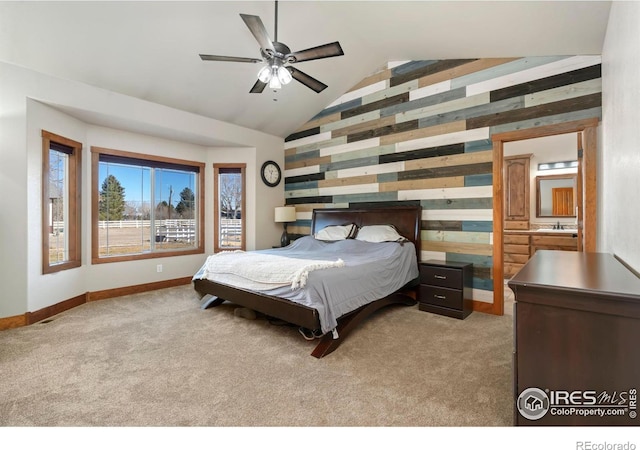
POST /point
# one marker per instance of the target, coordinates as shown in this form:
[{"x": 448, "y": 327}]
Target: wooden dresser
[{"x": 576, "y": 338}]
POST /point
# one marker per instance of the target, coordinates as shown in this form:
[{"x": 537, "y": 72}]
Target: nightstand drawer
[
  {"x": 450, "y": 298},
  {"x": 441, "y": 276}
]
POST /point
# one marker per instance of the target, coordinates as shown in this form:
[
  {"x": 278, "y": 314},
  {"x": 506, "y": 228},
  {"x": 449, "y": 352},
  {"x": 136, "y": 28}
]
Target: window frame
[
  {"x": 216, "y": 205},
  {"x": 95, "y": 196},
  {"x": 74, "y": 192}
]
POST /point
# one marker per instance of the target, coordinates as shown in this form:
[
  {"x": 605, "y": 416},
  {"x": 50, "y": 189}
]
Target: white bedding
[{"x": 262, "y": 271}]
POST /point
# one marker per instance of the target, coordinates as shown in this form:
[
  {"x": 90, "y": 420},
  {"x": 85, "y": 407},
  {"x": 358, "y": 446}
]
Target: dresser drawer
[
  {"x": 449, "y": 298},
  {"x": 441, "y": 276}
]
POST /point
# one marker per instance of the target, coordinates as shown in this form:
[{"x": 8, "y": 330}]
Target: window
[
  {"x": 61, "y": 218},
  {"x": 145, "y": 206},
  {"x": 229, "y": 208}
]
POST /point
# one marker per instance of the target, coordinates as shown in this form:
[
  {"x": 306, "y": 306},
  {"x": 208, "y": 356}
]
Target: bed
[{"x": 334, "y": 322}]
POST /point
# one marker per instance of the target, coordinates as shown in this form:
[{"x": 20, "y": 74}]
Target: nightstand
[{"x": 445, "y": 288}]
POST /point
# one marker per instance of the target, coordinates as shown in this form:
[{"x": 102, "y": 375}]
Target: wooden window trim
[
  {"x": 216, "y": 206},
  {"x": 95, "y": 244},
  {"x": 75, "y": 201}
]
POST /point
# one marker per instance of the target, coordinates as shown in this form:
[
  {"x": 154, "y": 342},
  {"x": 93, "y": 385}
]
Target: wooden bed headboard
[{"x": 406, "y": 219}]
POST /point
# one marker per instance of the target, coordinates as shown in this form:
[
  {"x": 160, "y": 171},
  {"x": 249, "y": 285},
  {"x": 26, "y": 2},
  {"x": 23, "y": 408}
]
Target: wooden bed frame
[{"x": 406, "y": 219}]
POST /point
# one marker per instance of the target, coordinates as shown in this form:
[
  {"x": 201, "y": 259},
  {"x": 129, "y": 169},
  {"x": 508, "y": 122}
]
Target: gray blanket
[{"x": 371, "y": 271}]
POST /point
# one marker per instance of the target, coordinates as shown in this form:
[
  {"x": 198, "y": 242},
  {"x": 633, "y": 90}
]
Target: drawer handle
[
  {"x": 440, "y": 277},
  {"x": 441, "y": 297}
]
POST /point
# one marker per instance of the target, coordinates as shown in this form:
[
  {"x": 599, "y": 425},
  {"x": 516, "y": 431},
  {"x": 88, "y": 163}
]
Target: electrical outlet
[{"x": 159, "y": 268}]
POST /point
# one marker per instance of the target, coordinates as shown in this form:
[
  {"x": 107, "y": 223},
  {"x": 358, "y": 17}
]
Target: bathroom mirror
[{"x": 556, "y": 196}]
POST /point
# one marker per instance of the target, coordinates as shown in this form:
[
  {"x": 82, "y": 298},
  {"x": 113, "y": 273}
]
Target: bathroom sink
[{"x": 549, "y": 230}]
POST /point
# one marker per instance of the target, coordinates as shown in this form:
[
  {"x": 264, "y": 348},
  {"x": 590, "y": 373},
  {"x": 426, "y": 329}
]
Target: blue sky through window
[{"x": 136, "y": 181}]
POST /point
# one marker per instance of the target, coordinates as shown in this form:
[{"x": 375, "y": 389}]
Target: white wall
[
  {"x": 621, "y": 133},
  {"x": 30, "y": 102}
]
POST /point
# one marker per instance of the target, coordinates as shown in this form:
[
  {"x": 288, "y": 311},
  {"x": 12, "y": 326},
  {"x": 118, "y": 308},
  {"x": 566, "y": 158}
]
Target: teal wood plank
[
  {"x": 482, "y": 179},
  {"x": 302, "y": 156},
  {"x": 387, "y": 177},
  {"x": 301, "y": 186},
  {"x": 477, "y": 225},
  {"x": 478, "y": 146}
]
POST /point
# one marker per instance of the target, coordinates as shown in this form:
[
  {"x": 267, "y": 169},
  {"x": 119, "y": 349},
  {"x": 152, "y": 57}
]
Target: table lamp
[{"x": 285, "y": 214}]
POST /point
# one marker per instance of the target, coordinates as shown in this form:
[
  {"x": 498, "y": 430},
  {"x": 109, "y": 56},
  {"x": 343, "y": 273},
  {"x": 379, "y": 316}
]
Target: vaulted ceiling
[{"x": 150, "y": 49}]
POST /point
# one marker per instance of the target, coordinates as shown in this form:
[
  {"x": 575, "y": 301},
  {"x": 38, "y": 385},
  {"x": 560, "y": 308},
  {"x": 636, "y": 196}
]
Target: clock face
[{"x": 271, "y": 173}]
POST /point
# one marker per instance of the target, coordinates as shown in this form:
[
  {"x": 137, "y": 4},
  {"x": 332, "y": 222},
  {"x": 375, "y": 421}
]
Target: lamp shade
[{"x": 286, "y": 214}]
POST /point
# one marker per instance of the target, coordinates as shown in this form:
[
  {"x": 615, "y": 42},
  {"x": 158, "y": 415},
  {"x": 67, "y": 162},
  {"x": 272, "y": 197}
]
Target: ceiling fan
[{"x": 277, "y": 55}]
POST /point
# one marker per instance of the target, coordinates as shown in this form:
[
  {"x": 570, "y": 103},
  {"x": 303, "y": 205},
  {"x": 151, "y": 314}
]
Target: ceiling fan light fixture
[
  {"x": 274, "y": 82},
  {"x": 264, "y": 74},
  {"x": 284, "y": 75}
]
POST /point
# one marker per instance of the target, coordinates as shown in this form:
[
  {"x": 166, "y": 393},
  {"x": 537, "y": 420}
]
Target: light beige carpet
[{"x": 157, "y": 359}]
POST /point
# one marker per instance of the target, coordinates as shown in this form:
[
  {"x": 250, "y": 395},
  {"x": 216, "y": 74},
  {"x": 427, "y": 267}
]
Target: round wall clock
[{"x": 271, "y": 173}]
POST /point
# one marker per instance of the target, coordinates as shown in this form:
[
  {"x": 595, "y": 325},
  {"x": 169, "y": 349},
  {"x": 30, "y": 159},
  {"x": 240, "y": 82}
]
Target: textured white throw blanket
[{"x": 258, "y": 271}]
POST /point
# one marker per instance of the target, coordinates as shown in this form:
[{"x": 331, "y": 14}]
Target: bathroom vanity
[{"x": 521, "y": 245}]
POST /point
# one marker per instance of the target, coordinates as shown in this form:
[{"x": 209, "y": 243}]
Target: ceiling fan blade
[
  {"x": 258, "y": 87},
  {"x": 259, "y": 32},
  {"x": 307, "y": 80},
  {"x": 229, "y": 58},
  {"x": 322, "y": 51}
]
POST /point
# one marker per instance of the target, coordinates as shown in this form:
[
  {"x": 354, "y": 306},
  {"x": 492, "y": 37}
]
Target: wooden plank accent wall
[{"x": 421, "y": 131}]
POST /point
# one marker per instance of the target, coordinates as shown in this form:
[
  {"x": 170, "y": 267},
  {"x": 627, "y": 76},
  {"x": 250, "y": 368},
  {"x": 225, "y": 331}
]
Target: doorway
[{"x": 587, "y": 132}]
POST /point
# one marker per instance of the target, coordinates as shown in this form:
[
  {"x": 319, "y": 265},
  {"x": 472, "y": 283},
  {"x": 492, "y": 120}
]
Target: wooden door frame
[{"x": 588, "y": 128}]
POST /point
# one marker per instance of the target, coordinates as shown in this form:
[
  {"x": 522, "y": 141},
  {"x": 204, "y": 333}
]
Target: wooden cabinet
[
  {"x": 520, "y": 246},
  {"x": 566, "y": 242},
  {"x": 445, "y": 288},
  {"x": 516, "y": 252},
  {"x": 516, "y": 192},
  {"x": 576, "y": 334}
]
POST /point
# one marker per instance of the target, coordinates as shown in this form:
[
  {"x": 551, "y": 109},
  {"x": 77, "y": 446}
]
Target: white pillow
[
  {"x": 336, "y": 232},
  {"x": 379, "y": 233}
]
